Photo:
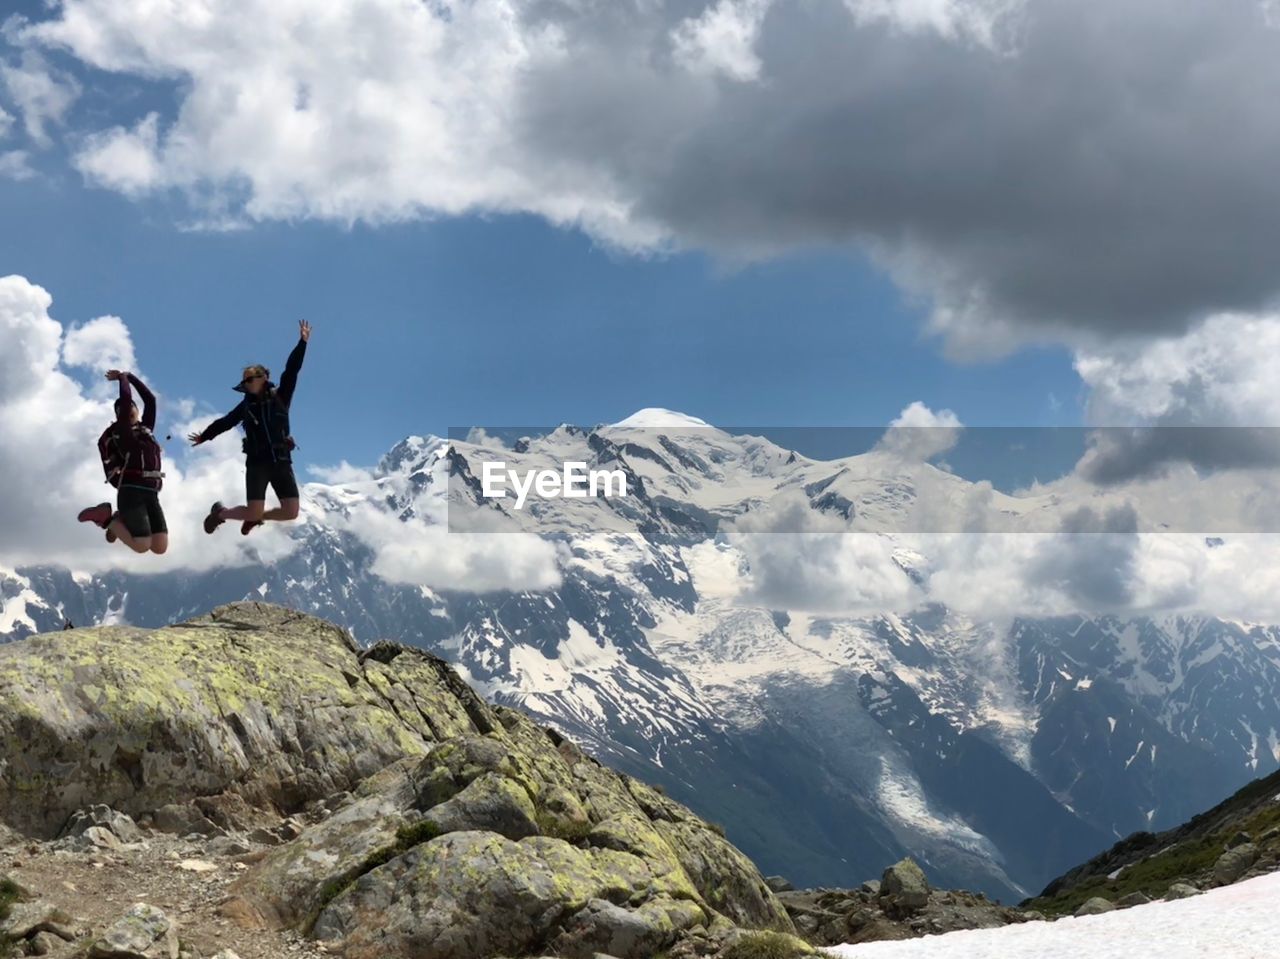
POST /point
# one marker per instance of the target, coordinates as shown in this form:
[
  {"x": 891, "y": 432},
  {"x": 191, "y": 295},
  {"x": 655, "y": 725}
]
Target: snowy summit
[{"x": 653, "y": 417}]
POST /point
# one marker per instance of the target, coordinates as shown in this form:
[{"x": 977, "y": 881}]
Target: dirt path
[{"x": 186, "y": 879}]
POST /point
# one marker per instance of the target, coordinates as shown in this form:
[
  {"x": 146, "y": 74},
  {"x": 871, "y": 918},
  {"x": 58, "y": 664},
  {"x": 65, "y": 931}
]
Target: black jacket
[{"x": 265, "y": 417}]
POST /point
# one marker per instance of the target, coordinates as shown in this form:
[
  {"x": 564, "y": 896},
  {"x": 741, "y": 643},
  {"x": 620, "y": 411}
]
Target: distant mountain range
[{"x": 998, "y": 755}]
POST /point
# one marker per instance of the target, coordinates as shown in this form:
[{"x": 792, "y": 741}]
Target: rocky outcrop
[{"x": 428, "y": 822}]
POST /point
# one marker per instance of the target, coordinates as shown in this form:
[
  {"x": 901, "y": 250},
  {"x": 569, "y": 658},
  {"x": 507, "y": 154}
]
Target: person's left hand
[{"x": 304, "y": 330}]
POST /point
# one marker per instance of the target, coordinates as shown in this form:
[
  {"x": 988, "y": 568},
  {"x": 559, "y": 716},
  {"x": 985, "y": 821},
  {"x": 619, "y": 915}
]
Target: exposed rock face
[{"x": 446, "y": 827}]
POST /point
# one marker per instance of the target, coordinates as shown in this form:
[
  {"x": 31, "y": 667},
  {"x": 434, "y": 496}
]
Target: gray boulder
[
  {"x": 1234, "y": 863},
  {"x": 905, "y": 884},
  {"x": 1181, "y": 890},
  {"x": 1095, "y": 907},
  {"x": 106, "y": 820},
  {"x": 1133, "y": 899},
  {"x": 778, "y": 884},
  {"x": 144, "y": 932}
]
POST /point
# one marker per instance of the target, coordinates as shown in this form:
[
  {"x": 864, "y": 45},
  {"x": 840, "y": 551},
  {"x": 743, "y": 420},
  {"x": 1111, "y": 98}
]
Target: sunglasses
[{"x": 249, "y": 379}]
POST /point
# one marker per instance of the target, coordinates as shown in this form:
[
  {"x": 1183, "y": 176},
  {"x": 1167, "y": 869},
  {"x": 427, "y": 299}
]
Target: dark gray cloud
[
  {"x": 1118, "y": 455},
  {"x": 1109, "y": 170},
  {"x": 1092, "y": 561}
]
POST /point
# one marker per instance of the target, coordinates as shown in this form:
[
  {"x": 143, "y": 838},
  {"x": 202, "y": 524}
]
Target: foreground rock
[{"x": 425, "y": 822}]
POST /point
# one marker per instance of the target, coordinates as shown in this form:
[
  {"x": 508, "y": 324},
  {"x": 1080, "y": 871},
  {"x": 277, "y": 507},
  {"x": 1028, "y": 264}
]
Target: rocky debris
[
  {"x": 1095, "y": 907},
  {"x": 1181, "y": 890},
  {"x": 144, "y": 932},
  {"x": 901, "y": 905},
  {"x": 778, "y": 884},
  {"x": 1234, "y": 863}
]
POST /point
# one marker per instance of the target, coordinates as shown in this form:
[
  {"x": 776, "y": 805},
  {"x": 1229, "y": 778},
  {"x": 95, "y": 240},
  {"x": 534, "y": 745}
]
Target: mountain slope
[{"x": 1238, "y": 837}]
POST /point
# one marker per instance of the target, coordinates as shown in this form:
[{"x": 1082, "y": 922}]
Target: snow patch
[{"x": 1233, "y": 922}]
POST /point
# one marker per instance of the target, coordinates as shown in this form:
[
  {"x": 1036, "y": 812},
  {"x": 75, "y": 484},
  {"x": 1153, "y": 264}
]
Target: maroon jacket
[{"x": 130, "y": 453}]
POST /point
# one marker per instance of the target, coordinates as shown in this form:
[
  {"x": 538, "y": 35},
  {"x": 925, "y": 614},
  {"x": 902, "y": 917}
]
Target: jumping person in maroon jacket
[
  {"x": 131, "y": 459},
  {"x": 268, "y": 445}
]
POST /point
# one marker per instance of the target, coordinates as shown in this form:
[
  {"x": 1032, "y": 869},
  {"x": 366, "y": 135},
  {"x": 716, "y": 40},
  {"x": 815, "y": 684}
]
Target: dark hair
[{"x": 117, "y": 404}]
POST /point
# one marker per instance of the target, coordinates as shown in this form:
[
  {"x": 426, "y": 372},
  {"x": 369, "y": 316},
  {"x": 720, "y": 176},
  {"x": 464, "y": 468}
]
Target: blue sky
[{"x": 498, "y": 320}]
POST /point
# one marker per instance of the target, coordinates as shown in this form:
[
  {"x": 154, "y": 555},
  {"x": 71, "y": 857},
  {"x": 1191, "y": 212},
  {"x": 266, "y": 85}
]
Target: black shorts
[
  {"x": 140, "y": 511},
  {"x": 278, "y": 475}
]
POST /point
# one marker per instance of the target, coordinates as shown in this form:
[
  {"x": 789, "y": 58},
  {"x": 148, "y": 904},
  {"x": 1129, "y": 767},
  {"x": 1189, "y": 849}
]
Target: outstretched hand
[
  {"x": 114, "y": 375},
  {"x": 304, "y": 330},
  {"x": 195, "y": 439}
]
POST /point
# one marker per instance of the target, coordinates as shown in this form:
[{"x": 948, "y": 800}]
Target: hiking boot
[
  {"x": 99, "y": 515},
  {"x": 248, "y": 525},
  {"x": 214, "y": 519}
]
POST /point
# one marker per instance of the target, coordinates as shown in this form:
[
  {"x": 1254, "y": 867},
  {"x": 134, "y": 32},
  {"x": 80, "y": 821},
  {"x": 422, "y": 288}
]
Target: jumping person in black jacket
[{"x": 268, "y": 444}]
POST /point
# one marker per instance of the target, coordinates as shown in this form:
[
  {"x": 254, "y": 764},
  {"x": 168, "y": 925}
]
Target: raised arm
[
  {"x": 289, "y": 379},
  {"x": 148, "y": 400},
  {"x": 218, "y": 426},
  {"x": 123, "y": 415}
]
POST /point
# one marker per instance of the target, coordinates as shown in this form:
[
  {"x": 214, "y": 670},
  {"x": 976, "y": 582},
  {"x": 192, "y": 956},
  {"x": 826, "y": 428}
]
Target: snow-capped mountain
[{"x": 998, "y": 754}]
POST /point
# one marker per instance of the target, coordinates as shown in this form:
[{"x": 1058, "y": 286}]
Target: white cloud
[
  {"x": 42, "y": 94},
  {"x": 1222, "y": 372},
  {"x": 991, "y": 23},
  {"x": 796, "y": 558},
  {"x": 918, "y": 433},
  {"x": 722, "y": 39},
  {"x": 340, "y": 474},
  {"x": 477, "y": 436},
  {"x": 15, "y": 165},
  {"x": 421, "y": 554},
  {"x": 124, "y": 160},
  {"x": 101, "y": 344},
  {"x": 6, "y": 123}
]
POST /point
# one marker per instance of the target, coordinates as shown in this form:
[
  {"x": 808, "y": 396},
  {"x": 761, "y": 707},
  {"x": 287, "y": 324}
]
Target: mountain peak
[{"x": 652, "y": 417}]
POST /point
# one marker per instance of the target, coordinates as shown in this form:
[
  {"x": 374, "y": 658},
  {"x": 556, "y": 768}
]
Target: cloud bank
[{"x": 1071, "y": 170}]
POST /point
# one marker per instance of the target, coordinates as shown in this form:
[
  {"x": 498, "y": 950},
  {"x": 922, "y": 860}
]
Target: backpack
[
  {"x": 268, "y": 433},
  {"x": 139, "y": 460}
]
